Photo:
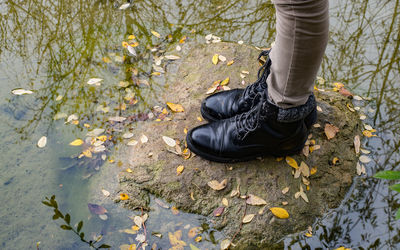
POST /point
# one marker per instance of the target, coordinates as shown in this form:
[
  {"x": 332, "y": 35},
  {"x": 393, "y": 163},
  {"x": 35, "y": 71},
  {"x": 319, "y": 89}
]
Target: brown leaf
[
  {"x": 194, "y": 231},
  {"x": 218, "y": 211},
  {"x": 330, "y": 130},
  {"x": 345, "y": 92},
  {"x": 357, "y": 144},
  {"x": 215, "y": 185},
  {"x": 255, "y": 200}
]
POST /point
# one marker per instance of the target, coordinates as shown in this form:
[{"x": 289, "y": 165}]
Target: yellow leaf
[
  {"x": 174, "y": 210},
  {"x": 131, "y": 37},
  {"x": 368, "y": 133},
  {"x": 335, "y": 160},
  {"x": 279, "y": 212},
  {"x": 308, "y": 235},
  {"x": 198, "y": 239},
  {"x": 292, "y": 162},
  {"x": 225, "y": 82},
  {"x": 215, "y": 59},
  {"x": 123, "y": 196},
  {"x": 183, "y": 39},
  {"x": 175, "y": 107},
  {"x": 155, "y": 33},
  {"x": 86, "y": 125},
  {"x": 76, "y": 142},
  {"x": 102, "y": 137},
  {"x": 338, "y": 85},
  {"x": 156, "y": 73},
  {"x": 134, "y": 44},
  {"x": 129, "y": 170},
  {"x": 106, "y": 59},
  {"x": 87, "y": 153},
  {"x": 194, "y": 231},
  {"x": 313, "y": 170},
  {"x": 230, "y": 63},
  {"x": 125, "y": 44},
  {"x": 179, "y": 169},
  {"x": 279, "y": 159},
  {"x": 185, "y": 131},
  {"x": 199, "y": 119}
]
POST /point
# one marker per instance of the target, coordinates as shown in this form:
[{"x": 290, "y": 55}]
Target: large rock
[{"x": 154, "y": 166}]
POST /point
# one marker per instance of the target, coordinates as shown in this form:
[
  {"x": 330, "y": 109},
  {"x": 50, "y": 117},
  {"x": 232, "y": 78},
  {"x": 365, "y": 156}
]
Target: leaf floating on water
[
  {"x": 172, "y": 57},
  {"x": 248, "y": 218},
  {"x": 218, "y": 211},
  {"x": 103, "y": 216},
  {"x": 126, "y": 246},
  {"x": 175, "y": 240},
  {"x": 76, "y": 142},
  {"x": 357, "y": 144},
  {"x": 292, "y": 162},
  {"x": 179, "y": 169},
  {"x": 141, "y": 238},
  {"x": 279, "y": 212},
  {"x": 105, "y": 192},
  {"x": 225, "y": 244},
  {"x": 175, "y": 107},
  {"x": 138, "y": 221},
  {"x": 117, "y": 119},
  {"x": 193, "y": 247},
  {"x": 123, "y": 196},
  {"x": 169, "y": 141},
  {"x": 21, "y": 92},
  {"x": 215, "y": 185},
  {"x": 330, "y": 130},
  {"x": 365, "y": 159},
  {"x": 59, "y": 116},
  {"x": 358, "y": 98},
  {"x": 161, "y": 203},
  {"x": 124, "y": 6},
  {"x": 215, "y": 59},
  {"x": 42, "y": 142},
  {"x": 225, "y": 82},
  {"x": 94, "y": 81},
  {"x": 95, "y": 132},
  {"x": 155, "y": 33},
  {"x": 255, "y": 200},
  {"x": 174, "y": 210},
  {"x": 96, "y": 209}
]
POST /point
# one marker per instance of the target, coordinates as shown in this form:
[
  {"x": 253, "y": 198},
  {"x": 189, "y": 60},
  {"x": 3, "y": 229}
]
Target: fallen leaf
[
  {"x": 175, "y": 239},
  {"x": 225, "y": 244},
  {"x": 218, "y": 211},
  {"x": 222, "y": 58},
  {"x": 103, "y": 216},
  {"x": 285, "y": 203},
  {"x": 198, "y": 239},
  {"x": 225, "y": 82},
  {"x": 304, "y": 169},
  {"x": 255, "y": 200},
  {"x": 174, "y": 210},
  {"x": 360, "y": 169},
  {"x": 138, "y": 221},
  {"x": 161, "y": 203},
  {"x": 131, "y": 50},
  {"x": 116, "y": 119},
  {"x": 304, "y": 196},
  {"x": 225, "y": 202},
  {"x": 141, "y": 238},
  {"x": 169, "y": 141},
  {"x": 330, "y": 130},
  {"x": 215, "y": 59},
  {"x": 285, "y": 190},
  {"x": 319, "y": 109},
  {"x": 105, "y": 192},
  {"x": 194, "y": 231},
  {"x": 132, "y": 142},
  {"x": 292, "y": 162},
  {"x": 76, "y": 142},
  {"x": 279, "y": 212},
  {"x": 183, "y": 39},
  {"x": 335, "y": 160},
  {"x": 363, "y": 117},
  {"x": 365, "y": 151},
  {"x": 344, "y": 92},
  {"x": 230, "y": 63},
  {"x": 248, "y": 218},
  {"x": 143, "y": 138},
  {"x": 123, "y": 196},
  {"x": 357, "y": 144},
  {"x": 358, "y": 98},
  {"x": 155, "y": 33},
  {"x": 368, "y": 133},
  {"x": 59, "y": 116},
  {"x": 179, "y": 169},
  {"x": 172, "y": 57},
  {"x": 175, "y": 107},
  {"x": 21, "y": 92},
  {"x": 94, "y": 81},
  {"x": 124, "y": 6},
  {"x": 365, "y": 159},
  {"x": 313, "y": 170},
  {"x": 215, "y": 185},
  {"x": 96, "y": 209},
  {"x": 42, "y": 142}
]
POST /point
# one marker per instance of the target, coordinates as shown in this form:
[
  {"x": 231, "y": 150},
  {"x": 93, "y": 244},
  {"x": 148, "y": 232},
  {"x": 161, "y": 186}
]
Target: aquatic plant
[{"x": 391, "y": 175}]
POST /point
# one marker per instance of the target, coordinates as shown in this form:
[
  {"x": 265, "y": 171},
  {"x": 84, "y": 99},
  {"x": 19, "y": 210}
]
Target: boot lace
[
  {"x": 250, "y": 92},
  {"x": 249, "y": 121}
]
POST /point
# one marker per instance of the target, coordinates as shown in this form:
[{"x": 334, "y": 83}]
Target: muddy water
[{"x": 54, "y": 47}]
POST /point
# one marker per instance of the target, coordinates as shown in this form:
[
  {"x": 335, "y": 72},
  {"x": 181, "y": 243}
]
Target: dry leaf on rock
[
  {"x": 248, "y": 218},
  {"x": 292, "y": 162},
  {"x": 222, "y": 58},
  {"x": 330, "y": 130},
  {"x": 255, "y": 200},
  {"x": 215, "y": 59},
  {"x": 365, "y": 159},
  {"x": 279, "y": 212},
  {"x": 169, "y": 141},
  {"x": 175, "y": 107},
  {"x": 225, "y": 82},
  {"x": 304, "y": 169},
  {"x": 218, "y": 211},
  {"x": 179, "y": 169},
  {"x": 124, "y": 6},
  {"x": 215, "y": 185},
  {"x": 230, "y": 63},
  {"x": 285, "y": 190},
  {"x": 225, "y": 202},
  {"x": 357, "y": 144},
  {"x": 143, "y": 138},
  {"x": 360, "y": 169},
  {"x": 105, "y": 192},
  {"x": 225, "y": 244},
  {"x": 172, "y": 57}
]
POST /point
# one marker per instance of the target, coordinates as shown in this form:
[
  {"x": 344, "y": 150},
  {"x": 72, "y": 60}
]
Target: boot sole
[{"x": 221, "y": 159}]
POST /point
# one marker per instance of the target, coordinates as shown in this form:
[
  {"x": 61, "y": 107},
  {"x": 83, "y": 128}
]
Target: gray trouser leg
[{"x": 302, "y": 28}]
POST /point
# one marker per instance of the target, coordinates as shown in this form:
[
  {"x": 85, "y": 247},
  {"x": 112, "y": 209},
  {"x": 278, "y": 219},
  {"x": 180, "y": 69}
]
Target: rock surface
[{"x": 154, "y": 165}]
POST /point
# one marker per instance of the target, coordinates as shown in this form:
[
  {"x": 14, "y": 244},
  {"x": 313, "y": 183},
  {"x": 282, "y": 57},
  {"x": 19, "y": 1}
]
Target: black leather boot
[
  {"x": 229, "y": 103},
  {"x": 263, "y": 130}
]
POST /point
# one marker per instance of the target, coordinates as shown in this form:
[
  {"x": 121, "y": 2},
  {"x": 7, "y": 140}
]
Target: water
[{"x": 54, "y": 47}]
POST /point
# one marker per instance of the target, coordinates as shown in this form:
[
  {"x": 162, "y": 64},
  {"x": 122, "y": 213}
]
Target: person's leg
[{"x": 302, "y": 28}]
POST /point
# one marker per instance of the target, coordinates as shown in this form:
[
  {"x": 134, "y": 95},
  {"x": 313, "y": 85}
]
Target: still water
[{"x": 55, "y": 47}]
